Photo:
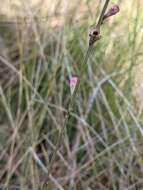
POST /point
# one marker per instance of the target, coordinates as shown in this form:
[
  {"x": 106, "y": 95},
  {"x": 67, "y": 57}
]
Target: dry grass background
[{"x": 101, "y": 147}]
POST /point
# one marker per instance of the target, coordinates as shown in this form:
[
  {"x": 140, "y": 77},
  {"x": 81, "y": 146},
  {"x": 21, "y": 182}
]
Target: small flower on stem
[
  {"x": 112, "y": 11},
  {"x": 73, "y": 83}
]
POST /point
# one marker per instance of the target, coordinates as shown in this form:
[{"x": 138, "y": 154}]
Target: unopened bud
[
  {"x": 73, "y": 83},
  {"x": 112, "y": 11}
]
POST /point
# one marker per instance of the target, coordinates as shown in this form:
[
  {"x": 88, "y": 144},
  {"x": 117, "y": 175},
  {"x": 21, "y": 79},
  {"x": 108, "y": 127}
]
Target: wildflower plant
[{"x": 74, "y": 83}]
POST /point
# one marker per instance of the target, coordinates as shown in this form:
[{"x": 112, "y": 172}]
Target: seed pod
[{"x": 94, "y": 35}]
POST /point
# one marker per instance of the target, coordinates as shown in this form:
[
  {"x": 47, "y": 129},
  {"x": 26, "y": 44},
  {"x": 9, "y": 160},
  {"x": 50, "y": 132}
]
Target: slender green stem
[
  {"x": 69, "y": 109},
  {"x": 102, "y": 14}
]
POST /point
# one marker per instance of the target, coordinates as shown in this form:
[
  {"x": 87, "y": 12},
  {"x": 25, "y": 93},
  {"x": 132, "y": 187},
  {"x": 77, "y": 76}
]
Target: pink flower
[
  {"x": 73, "y": 83},
  {"x": 112, "y": 11}
]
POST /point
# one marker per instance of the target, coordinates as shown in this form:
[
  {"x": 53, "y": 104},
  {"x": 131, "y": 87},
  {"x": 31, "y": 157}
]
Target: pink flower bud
[
  {"x": 73, "y": 83},
  {"x": 112, "y": 11}
]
